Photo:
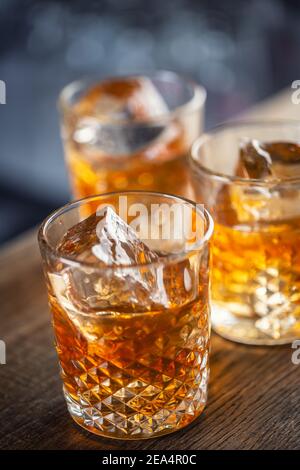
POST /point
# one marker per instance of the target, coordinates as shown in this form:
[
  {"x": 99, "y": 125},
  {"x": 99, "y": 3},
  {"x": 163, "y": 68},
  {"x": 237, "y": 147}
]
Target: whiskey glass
[
  {"x": 248, "y": 175},
  {"x": 131, "y": 315},
  {"x": 131, "y": 132}
]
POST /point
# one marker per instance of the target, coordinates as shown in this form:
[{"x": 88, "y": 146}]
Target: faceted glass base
[
  {"x": 244, "y": 329},
  {"x": 133, "y": 425}
]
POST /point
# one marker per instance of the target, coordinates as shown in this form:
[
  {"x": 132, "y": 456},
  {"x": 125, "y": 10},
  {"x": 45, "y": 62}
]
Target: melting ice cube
[
  {"x": 285, "y": 158},
  {"x": 122, "y": 274},
  {"x": 271, "y": 162},
  {"x": 106, "y": 239},
  {"x": 265, "y": 160},
  {"x": 255, "y": 161},
  {"x": 105, "y": 107},
  {"x": 114, "y": 249}
]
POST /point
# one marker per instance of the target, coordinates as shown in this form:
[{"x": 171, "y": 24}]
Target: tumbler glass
[
  {"x": 248, "y": 175},
  {"x": 130, "y": 310},
  {"x": 131, "y": 132}
]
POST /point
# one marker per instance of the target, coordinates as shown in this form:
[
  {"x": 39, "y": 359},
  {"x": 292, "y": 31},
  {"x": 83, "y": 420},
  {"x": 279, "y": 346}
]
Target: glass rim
[
  {"x": 172, "y": 257},
  {"x": 197, "y": 101},
  {"x": 225, "y": 178}
]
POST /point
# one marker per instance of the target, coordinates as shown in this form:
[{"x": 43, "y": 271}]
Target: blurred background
[{"x": 241, "y": 51}]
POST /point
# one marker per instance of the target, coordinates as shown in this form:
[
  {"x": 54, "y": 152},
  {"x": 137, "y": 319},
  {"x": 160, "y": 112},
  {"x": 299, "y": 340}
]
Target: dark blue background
[{"x": 240, "y": 51}]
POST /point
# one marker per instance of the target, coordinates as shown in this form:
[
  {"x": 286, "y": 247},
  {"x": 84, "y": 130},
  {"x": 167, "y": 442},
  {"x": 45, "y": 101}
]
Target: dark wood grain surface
[{"x": 254, "y": 395}]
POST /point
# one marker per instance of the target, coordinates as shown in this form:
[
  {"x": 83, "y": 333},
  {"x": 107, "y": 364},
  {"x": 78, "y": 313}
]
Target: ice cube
[
  {"x": 104, "y": 237},
  {"x": 255, "y": 161},
  {"x": 104, "y": 108},
  {"x": 135, "y": 98},
  {"x": 112, "y": 246},
  {"x": 285, "y": 158},
  {"x": 271, "y": 162},
  {"x": 112, "y": 282}
]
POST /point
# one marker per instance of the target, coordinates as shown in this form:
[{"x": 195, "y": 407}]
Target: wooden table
[{"x": 254, "y": 399}]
